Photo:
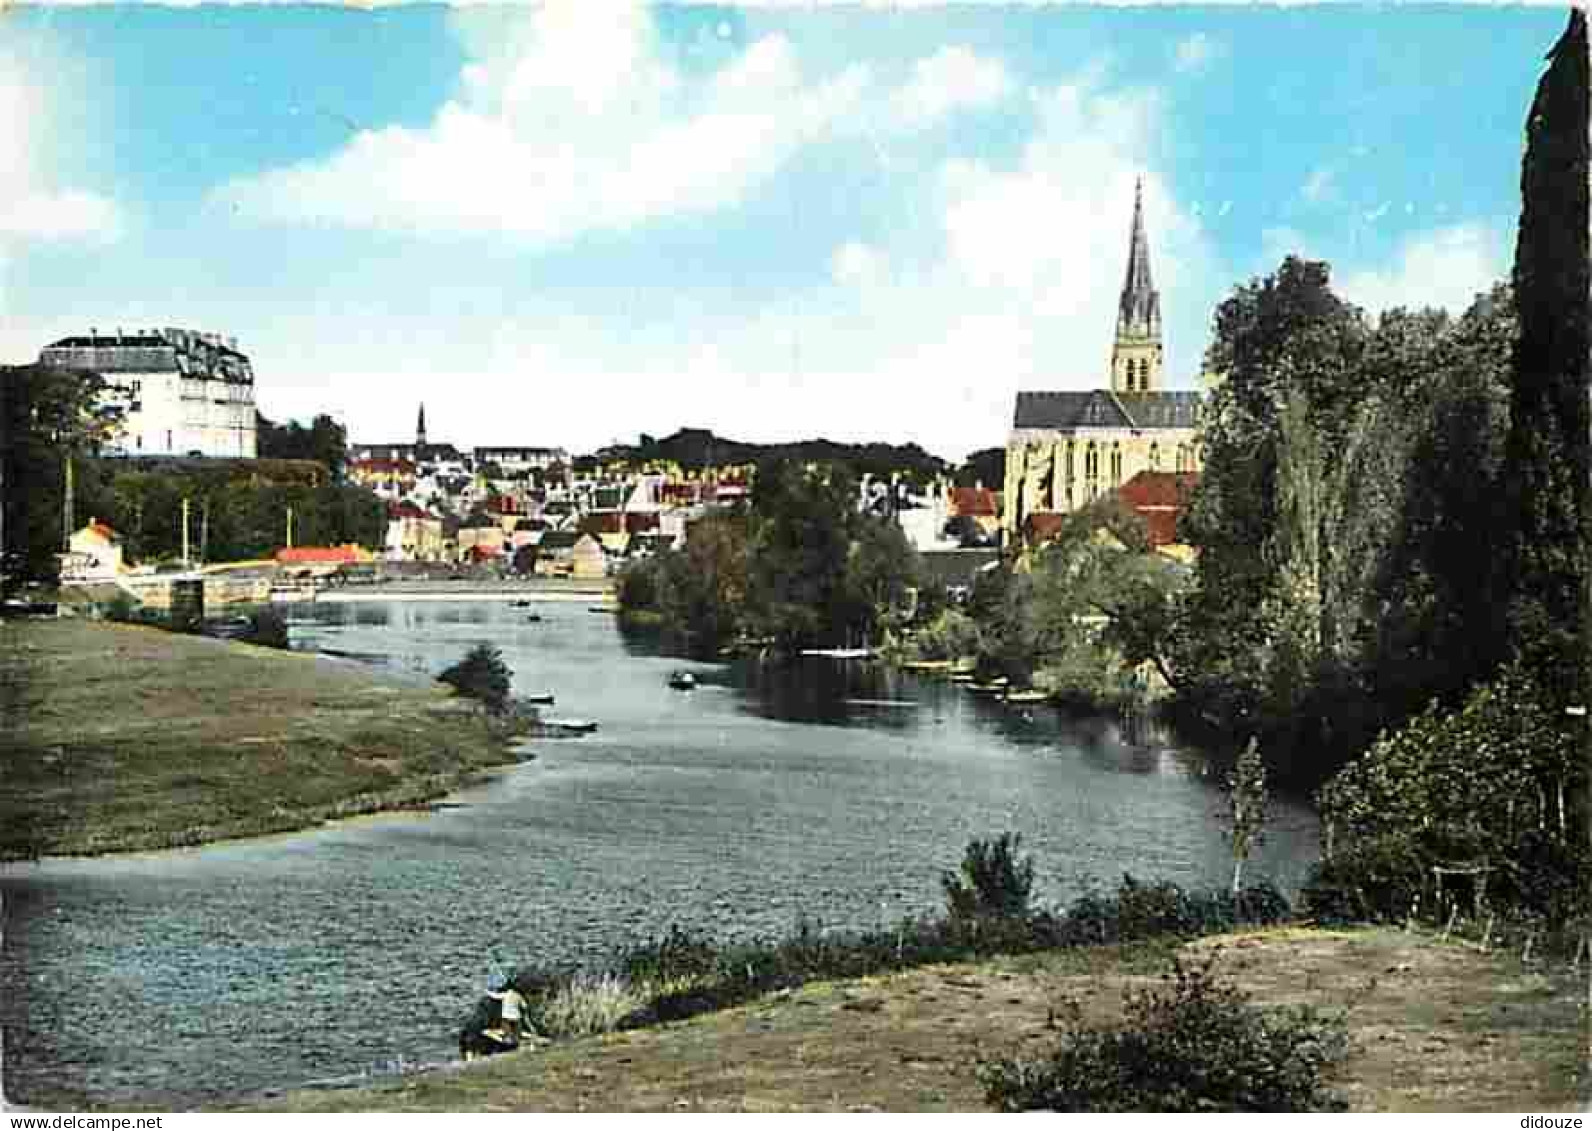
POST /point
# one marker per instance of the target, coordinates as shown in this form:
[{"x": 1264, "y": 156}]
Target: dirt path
[{"x": 1435, "y": 1027}]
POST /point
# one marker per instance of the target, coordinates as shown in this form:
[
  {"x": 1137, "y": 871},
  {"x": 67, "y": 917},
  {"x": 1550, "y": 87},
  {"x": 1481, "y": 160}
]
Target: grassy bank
[
  {"x": 1433, "y": 1026},
  {"x": 120, "y": 738}
]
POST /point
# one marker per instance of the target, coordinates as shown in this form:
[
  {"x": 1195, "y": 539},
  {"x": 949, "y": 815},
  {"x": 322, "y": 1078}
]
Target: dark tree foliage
[
  {"x": 699, "y": 448},
  {"x": 799, "y": 549},
  {"x": 987, "y": 466},
  {"x": 236, "y": 511},
  {"x": 47, "y": 417},
  {"x": 994, "y": 881},
  {"x": 482, "y": 675},
  {"x": 1548, "y": 451},
  {"x": 324, "y": 441}
]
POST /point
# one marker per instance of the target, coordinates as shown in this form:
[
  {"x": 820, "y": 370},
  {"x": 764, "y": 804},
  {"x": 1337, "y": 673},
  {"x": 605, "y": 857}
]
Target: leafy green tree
[
  {"x": 1549, "y": 453},
  {"x": 986, "y": 466},
  {"x": 483, "y": 675},
  {"x": 881, "y": 568},
  {"x": 800, "y": 544},
  {"x": 49, "y": 419},
  {"x": 324, "y": 441}
]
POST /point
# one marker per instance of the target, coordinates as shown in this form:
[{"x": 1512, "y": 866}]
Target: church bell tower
[{"x": 1136, "y": 352}]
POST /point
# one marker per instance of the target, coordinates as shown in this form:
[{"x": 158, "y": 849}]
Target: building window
[
  {"x": 1155, "y": 457},
  {"x": 1116, "y": 465}
]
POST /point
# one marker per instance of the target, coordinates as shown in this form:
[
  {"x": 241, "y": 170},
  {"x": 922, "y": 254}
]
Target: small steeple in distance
[
  {"x": 1136, "y": 352},
  {"x": 420, "y": 429}
]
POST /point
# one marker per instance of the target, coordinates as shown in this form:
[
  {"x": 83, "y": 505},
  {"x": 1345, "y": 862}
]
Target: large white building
[{"x": 183, "y": 392}]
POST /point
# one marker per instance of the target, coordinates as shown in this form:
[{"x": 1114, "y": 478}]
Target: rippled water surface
[{"x": 835, "y": 789}]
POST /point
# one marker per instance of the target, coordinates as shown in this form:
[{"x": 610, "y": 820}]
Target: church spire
[
  {"x": 1136, "y": 354},
  {"x": 420, "y": 427},
  {"x": 1140, "y": 307}
]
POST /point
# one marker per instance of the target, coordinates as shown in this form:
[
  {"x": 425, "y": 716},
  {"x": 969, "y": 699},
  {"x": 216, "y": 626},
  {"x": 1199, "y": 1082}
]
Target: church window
[
  {"x": 1116, "y": 465},
  {"x": 1155, "y": 457}
]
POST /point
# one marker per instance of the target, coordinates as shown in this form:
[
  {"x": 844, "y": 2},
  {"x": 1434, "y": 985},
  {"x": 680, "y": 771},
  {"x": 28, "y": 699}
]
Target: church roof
[{"x": 1102, "y": 408}]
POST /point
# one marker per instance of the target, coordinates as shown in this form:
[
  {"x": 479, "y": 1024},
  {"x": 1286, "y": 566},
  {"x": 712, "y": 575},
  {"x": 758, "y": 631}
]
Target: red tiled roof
[
  {"x": 638, "y": 521},
  {"x": 1042, "y": 525},
  {"x": 1159, "y": 497},
  {"x": 1158, "y": 488},
  {"x": 100, "y": 530},
  {"x": 978, "y": 502},
  {"x": 307, "y": 555},
  {"x": 483, "y": 550}
]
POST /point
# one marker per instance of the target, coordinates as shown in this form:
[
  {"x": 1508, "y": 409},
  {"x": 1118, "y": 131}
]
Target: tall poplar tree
[{"x": 1548, "y": 458}]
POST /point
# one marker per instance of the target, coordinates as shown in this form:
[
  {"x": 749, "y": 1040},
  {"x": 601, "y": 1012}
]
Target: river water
[{"x": 833, "y": 788}]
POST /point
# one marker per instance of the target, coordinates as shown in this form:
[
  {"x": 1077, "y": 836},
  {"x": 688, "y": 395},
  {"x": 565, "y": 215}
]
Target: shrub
[
  {"x": 584, "y": 1005},
  {"x": 268, "y": 628},
  {"x": 482, "y": 675},
  {"x": 1376, "y": 880},
  {"x": 949, "y": 636},
  {"x": 1193, "y": 1044},
  {"x": 993, "y": 882}
]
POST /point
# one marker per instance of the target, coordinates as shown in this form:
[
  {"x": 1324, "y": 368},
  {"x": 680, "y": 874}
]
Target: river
[{"x": 832, "y": 789}]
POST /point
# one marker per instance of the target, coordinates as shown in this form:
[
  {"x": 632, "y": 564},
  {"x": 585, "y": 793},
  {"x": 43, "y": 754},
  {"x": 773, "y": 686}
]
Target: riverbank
[
  {"x": 1434, "y": 1026},
  {"x": 596, "y": 592},
  {"x": 124, "y": 738}
]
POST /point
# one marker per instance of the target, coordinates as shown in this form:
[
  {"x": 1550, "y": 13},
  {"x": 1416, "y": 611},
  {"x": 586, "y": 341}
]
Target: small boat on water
[
  {"x": 682, "y": 681},
  {"x": 522, "y": 603},
  {"x": 540, "y": 699},
  {"x": 534, "y": 618},
  {"x": 568, "y": 726}
]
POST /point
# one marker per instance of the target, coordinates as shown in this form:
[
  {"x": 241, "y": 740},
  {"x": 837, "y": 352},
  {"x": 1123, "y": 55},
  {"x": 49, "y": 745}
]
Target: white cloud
[
  {"x": 952, "y": 79},
  {"x": 52, "y": 216},
  {"x": 1196, "y": 53},
  {"x": 573, "y": 121},
  {"x": 1442, "y": 267},
  {"x": 576, "y": 120},
  {"x": 34, "y": 207}
]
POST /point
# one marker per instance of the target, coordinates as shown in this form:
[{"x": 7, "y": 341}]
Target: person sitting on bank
[{"x": 513, "y": 1025}]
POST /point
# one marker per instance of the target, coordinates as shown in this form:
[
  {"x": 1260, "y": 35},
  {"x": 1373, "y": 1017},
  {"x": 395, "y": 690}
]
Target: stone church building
[{"x": 1069, "y": 448}]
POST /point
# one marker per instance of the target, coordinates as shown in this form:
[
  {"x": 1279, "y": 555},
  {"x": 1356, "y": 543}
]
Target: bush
[
  {"x": 482, "y": 675},
  {"x": 584, "y": 1005},
  {"x": 993, "y": 882},
  {"x": 1193, "y": 1044},
  {"x": 951, "y": 635},
  {"x": 1377, "y": 880},
  {"x": 268, "y": 628}
]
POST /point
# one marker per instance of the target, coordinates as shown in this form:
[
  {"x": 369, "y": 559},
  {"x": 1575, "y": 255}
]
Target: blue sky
[{"x": 567, "y": 224}]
